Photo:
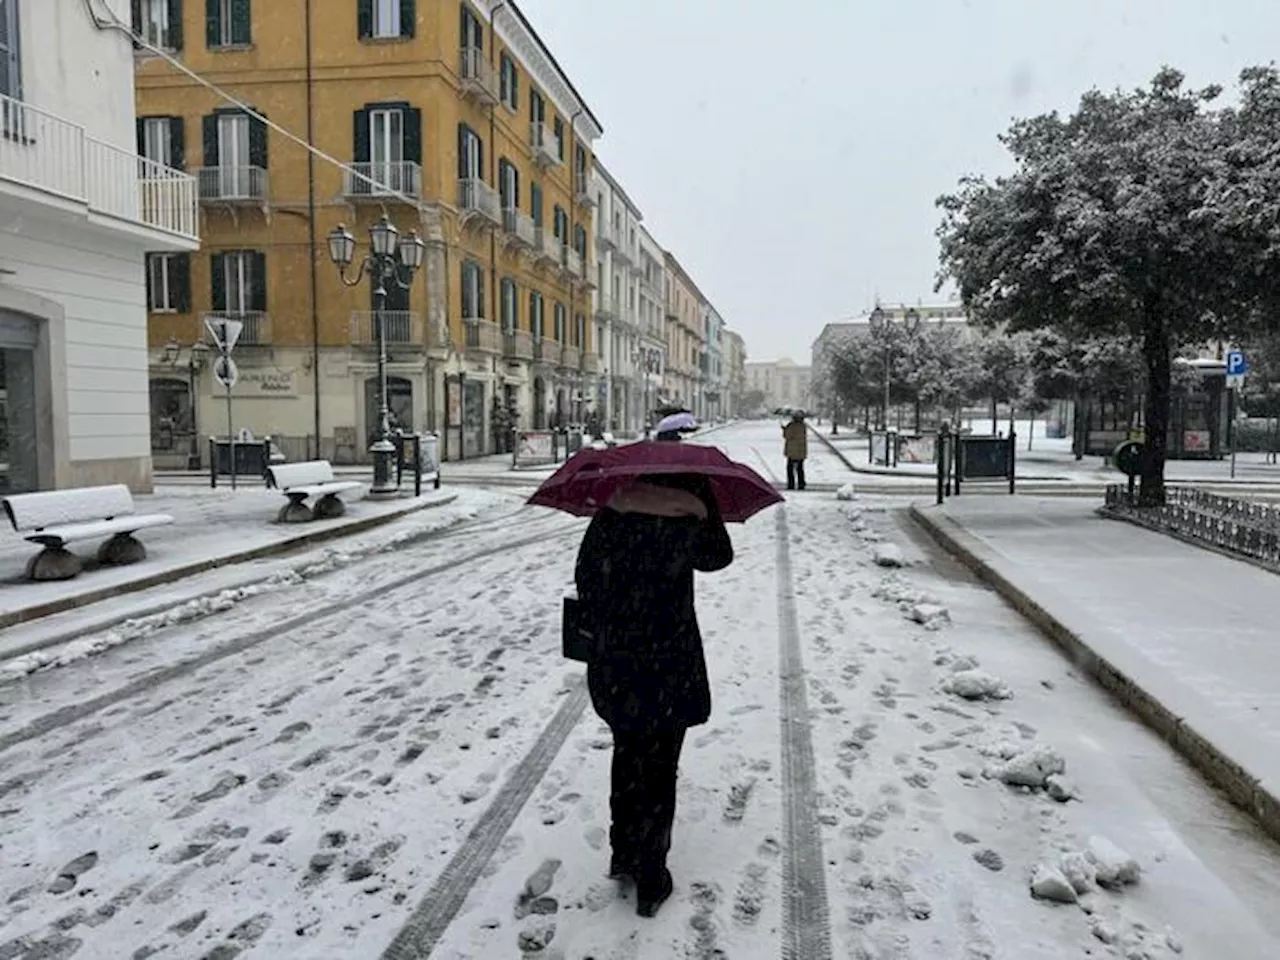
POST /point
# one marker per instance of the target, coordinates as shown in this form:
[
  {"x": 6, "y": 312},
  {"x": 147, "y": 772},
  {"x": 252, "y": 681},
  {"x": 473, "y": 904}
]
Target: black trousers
[
  {"x": 795, "y": 474},
  {"x": 642, "y": 798}
]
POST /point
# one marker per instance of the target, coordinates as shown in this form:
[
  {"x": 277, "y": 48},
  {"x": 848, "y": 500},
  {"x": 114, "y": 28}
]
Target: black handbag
[{"x": 579, "y": 640}]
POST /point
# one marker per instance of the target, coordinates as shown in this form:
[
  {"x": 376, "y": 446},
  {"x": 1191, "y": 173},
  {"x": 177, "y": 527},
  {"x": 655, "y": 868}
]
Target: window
[
  {"x": 559, "y": 132},
  {"x": 537, "y": 107},
  {"x": 159, "y": 22},
  {"x": 560, "y": 323},
  {"x": 536, "y": 321},
  {"x": 470, "y": 154},
  {"x": 236, "y": 145},
  {"x": 385, "y": 19},
  {"x": 510, "y": 306},
  {"x": 510, "y": 83},
  {"x": 239, "y": 282},
  {"x": 388, "y": 140},
  {"x": 228, "y": 23},
  {"x": 160, "y": 139},
  {"x": 168, "y": 282},
  {"x": 10, "y": 56},
  {"x": 471, "y": 32},
  {"x": 472, "y": 291},
  {"x": 580, "y": 167},
  {"x": 509, "y": 184},
  {"x": 535, "y": 203},
  {"x": 580, "y": 241},
  {"x": 580, "y": 330},
  {"x": 561, "y": 224}
]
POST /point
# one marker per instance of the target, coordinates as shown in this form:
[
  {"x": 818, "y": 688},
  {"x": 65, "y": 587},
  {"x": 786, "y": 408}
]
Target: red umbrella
[{"x": 584, "y": 484}]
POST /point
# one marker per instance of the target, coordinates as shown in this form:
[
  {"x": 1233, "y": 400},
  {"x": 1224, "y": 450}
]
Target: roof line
[{"x": 582, "y": 102}]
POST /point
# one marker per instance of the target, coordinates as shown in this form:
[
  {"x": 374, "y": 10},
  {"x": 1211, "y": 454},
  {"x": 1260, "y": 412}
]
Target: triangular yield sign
[{"x": 225, "y": 332}]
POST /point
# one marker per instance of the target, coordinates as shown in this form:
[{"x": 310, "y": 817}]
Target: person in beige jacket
[{"x": 795, "y": 445}]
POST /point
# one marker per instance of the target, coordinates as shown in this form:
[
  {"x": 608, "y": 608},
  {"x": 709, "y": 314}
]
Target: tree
[
  {"x": 946, "y": 370},
  {"x": 1143, "y": 214},
  {"x": 1002, "y": 371}
]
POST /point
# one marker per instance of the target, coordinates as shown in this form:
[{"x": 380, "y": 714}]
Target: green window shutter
[
  {"x": 218, "y": 282},
  {"x": 212, "y": 25},
  {"x": 257, "y": 142},
  {"x": 408, "y": 18},
  {"x": 462, "y": 151},
  {"x": 149, "y": 265},
  {"x": 535, "y": 203},
  {"x": 412, "y": 121},
  {"x": 175, "y": 24},
  {"x": 258, "y": 281},
  {"x": 210, "y": 124},
  {"x": 140, "y": 135},
  {"x": 180, "y": 281},
  {"x": 360, "y": 136},
  {"x": 364, "y": 19},
  {"x": 178, "y": 142},
  {"x": 241, "y": 21}
]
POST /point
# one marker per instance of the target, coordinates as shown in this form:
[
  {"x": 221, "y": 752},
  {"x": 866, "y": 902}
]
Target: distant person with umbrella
[
  {"x": 795, "y": 447},
  {"x": 659, "y": 511}
]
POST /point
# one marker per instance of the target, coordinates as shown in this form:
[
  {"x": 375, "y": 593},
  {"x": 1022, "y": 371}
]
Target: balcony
[
  {"x": 573, "y": 263},
  {"x": 590, "y": 364},
  {"x": 479, "y": 201},
  {"x": 546, "y": 351},
  {"x": 235, "y": 185},
  {"x": 543, "y": 145},
  {"x": 517, "y": 345},
  {"x": 546, "y": 246},
  {"x": 403, "y": 328},
  {"x": 479, "y": 81},
  {"x": 257, "y": 325},
  {"x": 605, "y": 307},
  {"x": 519, "y": 229},
  {"x": 482, "y": 336},
  {"x": 586, "y": 193},
  {"x": 570, "y": 357},
  {"x": 44, "y": 153},
  {"x": 379, "y": 181}
]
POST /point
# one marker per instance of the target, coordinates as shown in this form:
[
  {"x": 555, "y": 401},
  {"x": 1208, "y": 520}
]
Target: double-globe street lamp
[
  {"x": 392, "y": 259},
  {"x": 880, "y": 319},
  {"x": 199, "y": 353}
]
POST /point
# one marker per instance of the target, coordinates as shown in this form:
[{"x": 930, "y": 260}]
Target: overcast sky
[{"x": 789, "y": 154}]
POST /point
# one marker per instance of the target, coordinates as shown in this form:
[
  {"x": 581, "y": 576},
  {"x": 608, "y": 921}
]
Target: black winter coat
[{"x": 635, "y": 582}]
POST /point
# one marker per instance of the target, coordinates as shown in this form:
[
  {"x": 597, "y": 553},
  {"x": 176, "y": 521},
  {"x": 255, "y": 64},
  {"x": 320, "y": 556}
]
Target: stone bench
[
  {"x": 55, "y": 518},
  {"x": 300, "y": 482}
]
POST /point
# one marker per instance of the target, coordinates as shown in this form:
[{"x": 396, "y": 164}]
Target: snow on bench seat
[
  {"x": 55, "y": 518},
  {"x": 311, "y": 478}
]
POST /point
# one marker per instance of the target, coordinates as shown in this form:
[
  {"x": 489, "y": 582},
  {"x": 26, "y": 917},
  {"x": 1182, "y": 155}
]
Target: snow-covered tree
[{"x": 1148, "y": 214}]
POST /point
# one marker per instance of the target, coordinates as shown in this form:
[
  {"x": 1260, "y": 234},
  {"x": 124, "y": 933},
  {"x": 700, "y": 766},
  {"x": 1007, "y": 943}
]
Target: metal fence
[{"x": 1243, "y": 527}]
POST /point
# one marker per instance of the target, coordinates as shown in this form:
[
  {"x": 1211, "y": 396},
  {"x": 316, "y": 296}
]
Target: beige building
[
  {"x": 735, "y": 360},
  {"x": 685, "y": 339},
  {"x": 783, "y": 383}
]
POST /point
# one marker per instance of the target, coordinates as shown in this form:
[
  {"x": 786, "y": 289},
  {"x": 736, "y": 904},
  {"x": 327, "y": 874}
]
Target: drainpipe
[
  {"x": 311, "y": 231},
  {"x": 573, "y": 224}
]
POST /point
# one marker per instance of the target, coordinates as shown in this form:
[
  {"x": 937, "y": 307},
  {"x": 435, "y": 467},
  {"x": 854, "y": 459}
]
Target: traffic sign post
[
  {"x": 225, "y": 334},
  {"x": 1237, "y": 367}
]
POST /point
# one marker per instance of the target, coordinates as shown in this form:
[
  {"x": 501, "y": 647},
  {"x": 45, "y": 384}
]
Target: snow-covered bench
[
  {"x": 301, "y": 481},
  {"x": 55, "y": 518}
]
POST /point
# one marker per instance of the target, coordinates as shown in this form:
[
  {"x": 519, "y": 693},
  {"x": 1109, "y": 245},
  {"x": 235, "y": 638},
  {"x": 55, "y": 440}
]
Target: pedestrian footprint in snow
[{"x": 648, "y": 677}]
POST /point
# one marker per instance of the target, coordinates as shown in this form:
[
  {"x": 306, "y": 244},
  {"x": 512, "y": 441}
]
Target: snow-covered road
[{"x": 394, "y": 753}]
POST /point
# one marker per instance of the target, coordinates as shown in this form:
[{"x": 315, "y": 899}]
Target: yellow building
[
  {"x": 452, "y": 119},
  {"x": 686, "y": 338}
]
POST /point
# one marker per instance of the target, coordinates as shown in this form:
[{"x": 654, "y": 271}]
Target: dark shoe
[
  {"x": 652, "y": 891},
  {"x": 621, "y": 868}
]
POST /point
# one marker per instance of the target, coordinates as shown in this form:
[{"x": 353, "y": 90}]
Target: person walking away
[
  {"x": 795, "y": 446},
  {"x": 647, "y": 674}
]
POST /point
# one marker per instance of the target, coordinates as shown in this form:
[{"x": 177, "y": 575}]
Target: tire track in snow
[
  {"x": 64, "y": 716},
  {"x": 806, "y": 929},
  {"x": 429, "y": 920}
]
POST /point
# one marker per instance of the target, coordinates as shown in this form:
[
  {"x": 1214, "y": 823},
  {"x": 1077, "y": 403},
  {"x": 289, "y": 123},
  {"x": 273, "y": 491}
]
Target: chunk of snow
[
  {"x": 889, "y": 555},
  {"x": 976, "y": 685},
  {"x": 931, "y": 616},
  {"x": 1061, "y": 789},
  {"x": 1115, "y": 868},
  {"x": 1031, "y": 767},
  {"x": 846, "y": 492},
  {"x": 1048, "y": 883},
  {"x": 1103, "y": 930},
  {"x": 1079, "y": 871},
  {"x": 960, "y": 664}
]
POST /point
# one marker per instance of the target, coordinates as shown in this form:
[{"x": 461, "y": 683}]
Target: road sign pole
[
  {"x": 231, "y": 436},
  {"x": 1231, "y": 427}
]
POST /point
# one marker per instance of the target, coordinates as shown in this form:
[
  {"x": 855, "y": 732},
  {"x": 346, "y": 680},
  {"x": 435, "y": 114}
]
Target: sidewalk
[
  {"x": 1183, "y": 636},
  {"x": 211, "y": 528}
]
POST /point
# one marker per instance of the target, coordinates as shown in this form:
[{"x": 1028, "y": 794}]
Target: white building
[
  {"x": 714, "y": 372},
  {"x": 653, "y": 321},
  {"x": 78, "y": 212},
  {"x": 617, "y": 302},
  {"x": 782, "y": 383}
]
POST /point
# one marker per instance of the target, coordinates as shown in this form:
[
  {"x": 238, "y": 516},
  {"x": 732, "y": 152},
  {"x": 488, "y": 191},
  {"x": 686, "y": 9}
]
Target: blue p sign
[{"x": 1236, "y": 363}]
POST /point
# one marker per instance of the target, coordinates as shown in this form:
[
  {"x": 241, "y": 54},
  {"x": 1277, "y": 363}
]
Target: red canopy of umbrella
[{"x": 585, "y": 483}]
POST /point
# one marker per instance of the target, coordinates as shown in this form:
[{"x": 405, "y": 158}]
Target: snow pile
[
  {"x": 1048, "y": 883},
  {"x": 889, "y": 555},
  {"x": 1079, "y": 872},
  {"x": 846, "y": 493},
  {"x": 1024, "y": 766},
  {"x": 1114, "y": 867},
  {"x": 1060, "y": 788},
  {"x": 976, "y": 685},
  {"x": 893, "y": 589},
  {"x": 931, "y": 616}
]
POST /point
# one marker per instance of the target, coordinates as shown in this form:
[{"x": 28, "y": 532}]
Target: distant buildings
[{"x": 779, "y": 383}]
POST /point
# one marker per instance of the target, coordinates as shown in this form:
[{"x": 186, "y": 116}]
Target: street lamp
[
  {"x": 878, "y": 319},
  {"x": 648, "y": 361},
  {"x": 392, "y": 259},
  {"x": 199, "y": 352}
]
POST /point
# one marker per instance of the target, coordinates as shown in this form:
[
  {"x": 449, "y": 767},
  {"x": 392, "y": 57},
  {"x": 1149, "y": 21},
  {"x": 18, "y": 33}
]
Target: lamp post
[
  {"x": 199, "y": 353},
  {"x": 391, "y": 259},
  {"x": 648, "y": 361},
  {"x": 879, "y": 319}
]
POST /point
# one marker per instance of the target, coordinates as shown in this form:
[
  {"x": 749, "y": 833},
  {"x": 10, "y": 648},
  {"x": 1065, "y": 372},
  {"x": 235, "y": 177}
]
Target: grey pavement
[{"x": 1192, "y": 631}]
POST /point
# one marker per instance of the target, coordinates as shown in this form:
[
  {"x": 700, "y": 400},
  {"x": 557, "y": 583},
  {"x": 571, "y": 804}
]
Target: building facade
[
  {"x": 682, "y": 381},
  {"x": 653, "y": 325},
  {"x": 713, "y": 365},
  {"x": 451, "y": 118},
  {"x": 78, "y": 213},
  {"x": 735, "y": 360},
  {"x": 780, "y": 383},
  {"x": 617, "y": 302}
]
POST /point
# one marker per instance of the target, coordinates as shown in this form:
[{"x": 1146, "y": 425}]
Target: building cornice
[
  {"x": 518, "y": 34},
  {"x": 617, "y": 189}
]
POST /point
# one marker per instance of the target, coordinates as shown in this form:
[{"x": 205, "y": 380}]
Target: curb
[
  {"x": 1259, "y": 799},
  {"x": 331, "y": 532}
]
